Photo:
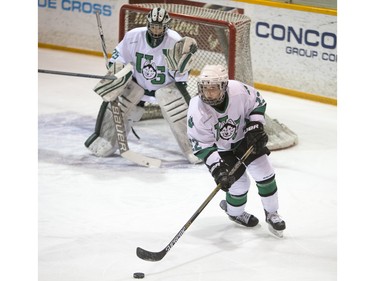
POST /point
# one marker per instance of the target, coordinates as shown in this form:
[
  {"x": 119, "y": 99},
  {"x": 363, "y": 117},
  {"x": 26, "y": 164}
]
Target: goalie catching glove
[
  {"x": 109, "y": 90},
  {"x": 181, "y": 57},
  {"x": 220, "y": 173}
]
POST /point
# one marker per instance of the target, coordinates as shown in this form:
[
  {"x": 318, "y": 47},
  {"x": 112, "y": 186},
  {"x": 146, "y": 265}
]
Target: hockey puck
[{"x": 138, "y": 275}]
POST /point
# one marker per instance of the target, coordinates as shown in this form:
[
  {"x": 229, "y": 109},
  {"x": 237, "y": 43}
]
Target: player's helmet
[
  {"x": 157, "y": 24},
  {"x": 213, "y": 84}
]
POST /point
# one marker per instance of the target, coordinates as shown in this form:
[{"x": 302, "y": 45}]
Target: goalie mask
[
  {"x": 157, "y": 25},
  {"x": 212, "y": 84}
]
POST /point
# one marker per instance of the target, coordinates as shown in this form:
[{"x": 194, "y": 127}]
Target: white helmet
[
  {"x": 213, "y": 75},
  {"x": 160, "y": 17}
]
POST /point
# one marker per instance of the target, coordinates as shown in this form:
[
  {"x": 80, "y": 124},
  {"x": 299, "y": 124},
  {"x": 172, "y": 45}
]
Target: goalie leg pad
[
  {"x": 103, "y": 141},
  {"x": 174, "y": 109},
  {"x": 134, "y": 116},
  {"x": 130, "y": 97}
]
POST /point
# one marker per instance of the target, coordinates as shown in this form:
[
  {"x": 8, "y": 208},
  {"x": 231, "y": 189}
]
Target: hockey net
[{"x": 223, "y": 38}]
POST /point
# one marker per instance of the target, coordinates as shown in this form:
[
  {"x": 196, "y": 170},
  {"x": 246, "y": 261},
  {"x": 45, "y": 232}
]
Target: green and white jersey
[
  {"x": 210, "y": 130},
  {"x": 150, "y": 69}
]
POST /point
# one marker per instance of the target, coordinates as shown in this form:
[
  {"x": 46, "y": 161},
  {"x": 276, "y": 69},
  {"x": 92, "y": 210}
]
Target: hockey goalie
[{"x": 161, "y": 60}]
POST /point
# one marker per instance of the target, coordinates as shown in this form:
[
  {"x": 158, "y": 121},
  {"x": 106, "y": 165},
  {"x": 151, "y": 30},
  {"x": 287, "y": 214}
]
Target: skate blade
[{"x": 277, "y": 233}]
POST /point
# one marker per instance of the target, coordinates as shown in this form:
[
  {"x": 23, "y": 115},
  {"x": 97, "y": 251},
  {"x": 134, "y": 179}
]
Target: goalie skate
[
  {"x": 275, "y": 224},
  {"x": 244, "y": 219}
]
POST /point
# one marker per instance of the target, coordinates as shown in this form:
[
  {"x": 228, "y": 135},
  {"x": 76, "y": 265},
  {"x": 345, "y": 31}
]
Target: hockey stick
[
  {"x": 157, "y": 256},
  {"x": 108, "y": 77},
  {"x": 117, "y": 118},
  {"x": 101, "y": 34}
]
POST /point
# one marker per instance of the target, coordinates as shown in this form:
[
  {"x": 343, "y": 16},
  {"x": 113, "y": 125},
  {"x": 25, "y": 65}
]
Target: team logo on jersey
[
  {"x": 149, "y": 70},
  {"x": 227, "y": 128},
  {"x": 190, "y": 122}
]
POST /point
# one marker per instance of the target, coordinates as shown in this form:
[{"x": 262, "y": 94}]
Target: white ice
[{"x": 94, "y": 213}]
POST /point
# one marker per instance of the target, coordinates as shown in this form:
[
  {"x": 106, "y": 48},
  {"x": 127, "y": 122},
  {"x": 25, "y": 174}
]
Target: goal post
[{"x": 222, "y": 38}]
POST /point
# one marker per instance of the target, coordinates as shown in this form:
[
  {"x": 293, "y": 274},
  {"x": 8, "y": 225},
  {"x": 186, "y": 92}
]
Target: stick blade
[
  {"x": 150, "y": 256},
  {"x": 141, "y": 159}
]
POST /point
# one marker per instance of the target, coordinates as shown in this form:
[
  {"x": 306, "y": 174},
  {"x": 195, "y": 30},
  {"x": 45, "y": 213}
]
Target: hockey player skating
[
  {"x": 224, "y": 120},
  {"x": 160, "y": 60}
]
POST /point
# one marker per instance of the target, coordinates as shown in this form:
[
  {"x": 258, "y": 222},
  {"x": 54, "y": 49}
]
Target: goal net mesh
[{"x": 222, "y": 38}]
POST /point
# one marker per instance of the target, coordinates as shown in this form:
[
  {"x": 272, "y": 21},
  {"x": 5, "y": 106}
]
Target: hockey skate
[
  {"x": 244, "y": 219},
  {"x": 275, "y": 224}
]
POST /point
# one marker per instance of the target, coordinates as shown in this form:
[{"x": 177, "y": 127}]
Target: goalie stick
[
  {"x": 117, "y": 118},
  {"x": 157, "y": 256}
]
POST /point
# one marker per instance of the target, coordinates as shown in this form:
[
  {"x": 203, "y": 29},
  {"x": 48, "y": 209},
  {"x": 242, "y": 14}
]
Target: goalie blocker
[{"x": 109, "y": 90}]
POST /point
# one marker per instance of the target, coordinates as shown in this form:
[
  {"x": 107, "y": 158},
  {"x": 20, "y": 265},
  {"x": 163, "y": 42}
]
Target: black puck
[{"x": 138, "y": 275}]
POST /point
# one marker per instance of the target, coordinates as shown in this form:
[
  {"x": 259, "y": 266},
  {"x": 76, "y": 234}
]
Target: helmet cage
[{"x": 160, "y": 17}]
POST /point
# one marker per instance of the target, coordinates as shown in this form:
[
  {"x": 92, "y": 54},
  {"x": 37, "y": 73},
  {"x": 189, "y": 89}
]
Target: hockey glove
[
  {"x": 220, "y": 172},
  {"x": 181, "y": 57},
  {"x": 109, "y": 90},
  {"x": 254, "y": 135}
]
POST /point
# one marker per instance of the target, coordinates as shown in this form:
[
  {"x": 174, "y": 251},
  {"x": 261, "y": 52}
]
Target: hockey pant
[
  {"x": 174, "y": 109},
  {"x": 103, "y": 142},
  {"x": 263, "y": 173}
]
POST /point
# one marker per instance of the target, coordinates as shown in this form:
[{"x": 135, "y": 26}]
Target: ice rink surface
[{"x": 93, "y": 213}]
